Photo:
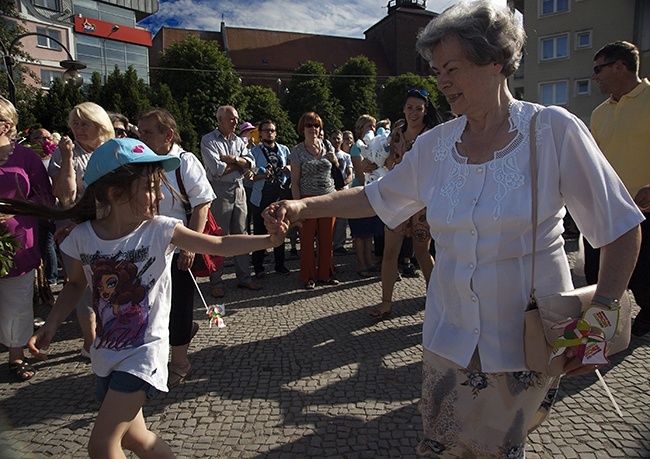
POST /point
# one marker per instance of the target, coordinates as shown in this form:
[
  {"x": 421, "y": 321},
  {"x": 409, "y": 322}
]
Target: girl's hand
[
  {"x": 41, "y": 340},
  {"x": 278, "y": 237},
  {"x": 278, "y": 212},
  {"x": 185, "y": 260}
]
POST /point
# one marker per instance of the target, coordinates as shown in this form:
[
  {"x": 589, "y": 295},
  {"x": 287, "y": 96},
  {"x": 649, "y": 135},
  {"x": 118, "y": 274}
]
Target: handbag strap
[
  {"x": 181, "y": 189},
  {"x": 533, "y": 181}
]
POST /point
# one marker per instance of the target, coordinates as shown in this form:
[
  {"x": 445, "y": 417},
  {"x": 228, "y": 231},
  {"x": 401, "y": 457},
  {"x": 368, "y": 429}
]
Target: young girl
[{"x": 123, "y": 250}]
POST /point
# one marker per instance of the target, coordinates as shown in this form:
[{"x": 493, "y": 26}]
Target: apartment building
[{"x": 563, "y": 36}]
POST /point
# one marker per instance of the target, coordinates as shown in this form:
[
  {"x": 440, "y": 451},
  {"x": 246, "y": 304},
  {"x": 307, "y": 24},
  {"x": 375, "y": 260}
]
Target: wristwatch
[{"x": 607, "y": 302}]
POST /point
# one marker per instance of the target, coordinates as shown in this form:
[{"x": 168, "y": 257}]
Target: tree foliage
[
  {"x": 123, "y": 93},
  {"x": 9, "y": 30},
  {"x": 354, "y": 85},
  {"x": 51, "y": 109},
  {"x": 393, "y": 94},
  {"x": 197, "y": 70},
  {"x": 310, "y": 90},
  {"x": 262, "y": 103}
]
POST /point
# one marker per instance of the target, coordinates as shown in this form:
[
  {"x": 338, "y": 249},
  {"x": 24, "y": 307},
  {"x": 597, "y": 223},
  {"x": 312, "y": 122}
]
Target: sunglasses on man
[{"x": 598, "y": 68}]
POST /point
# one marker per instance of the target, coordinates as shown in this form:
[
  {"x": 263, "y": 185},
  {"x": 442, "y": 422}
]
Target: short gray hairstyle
[{"x": 488, "y": 34}]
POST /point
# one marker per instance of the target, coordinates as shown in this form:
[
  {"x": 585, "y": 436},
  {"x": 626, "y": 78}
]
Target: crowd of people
[{"x": 130, "y": 206}]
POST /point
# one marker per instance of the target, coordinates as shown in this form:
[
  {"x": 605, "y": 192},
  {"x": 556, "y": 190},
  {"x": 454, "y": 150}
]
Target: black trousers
[
  {"x": 182, "y": 310},
  {"x": 640, "y": 281},
  {"x": 270, "y": 194}
]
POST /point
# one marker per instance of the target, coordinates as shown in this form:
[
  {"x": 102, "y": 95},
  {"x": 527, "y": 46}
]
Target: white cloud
[{"x": 349, "y": 18}]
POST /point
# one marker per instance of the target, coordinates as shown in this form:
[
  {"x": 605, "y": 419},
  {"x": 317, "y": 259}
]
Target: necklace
[
  {"x": 487, "y": 150},
  {"x": 11, "y": 151}
]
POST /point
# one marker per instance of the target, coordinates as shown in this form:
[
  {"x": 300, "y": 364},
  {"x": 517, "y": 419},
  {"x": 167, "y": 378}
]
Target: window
[
  {"x": 102, "y": 55},
  {"x": 583, "y": 87},
  {"x": 554, "y": 93},
  {"x": 583, "y": 39},
  {"x": 45, "y": 42},
  {"x": 554, "y": 47},
  {"x": 105, "y": 12},
  {"x": 48, "y": 76},
  {"x": 49, "y": 4},
  {"x": 553, "y": 6}
]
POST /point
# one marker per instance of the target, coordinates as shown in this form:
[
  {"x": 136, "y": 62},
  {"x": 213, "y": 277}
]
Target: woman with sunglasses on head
[
  {"x": 120, "y": 124},
  {"x": 420, "y": 115},
  {"x": 311, "y": 175}
]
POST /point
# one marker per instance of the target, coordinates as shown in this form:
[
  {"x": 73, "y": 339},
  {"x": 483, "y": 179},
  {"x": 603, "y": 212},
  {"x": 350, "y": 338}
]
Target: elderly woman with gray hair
[{"x": 473, "y": 174}]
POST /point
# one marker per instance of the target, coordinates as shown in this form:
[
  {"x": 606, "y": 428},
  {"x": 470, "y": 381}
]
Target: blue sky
[{"x": 347, "y": 18}]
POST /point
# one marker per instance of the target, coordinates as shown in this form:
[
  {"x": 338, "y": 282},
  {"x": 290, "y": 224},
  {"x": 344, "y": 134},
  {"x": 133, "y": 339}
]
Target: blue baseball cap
[{"x": 115, "y": 153}]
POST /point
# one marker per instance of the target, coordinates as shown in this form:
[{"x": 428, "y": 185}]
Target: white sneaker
[{"x": 84, "y": 353}]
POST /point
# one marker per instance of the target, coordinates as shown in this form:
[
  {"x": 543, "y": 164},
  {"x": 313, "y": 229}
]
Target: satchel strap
[
  {"x": 181, "y": 189},
  {"x": 533, "y": 182}
]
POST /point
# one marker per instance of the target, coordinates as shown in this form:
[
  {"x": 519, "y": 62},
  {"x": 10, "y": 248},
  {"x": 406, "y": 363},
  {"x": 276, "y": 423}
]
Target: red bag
[{"x": 203, "y": 264}]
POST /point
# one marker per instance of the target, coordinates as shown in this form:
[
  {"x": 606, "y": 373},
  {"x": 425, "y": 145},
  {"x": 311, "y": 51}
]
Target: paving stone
[{"x": 307, "y": 374}]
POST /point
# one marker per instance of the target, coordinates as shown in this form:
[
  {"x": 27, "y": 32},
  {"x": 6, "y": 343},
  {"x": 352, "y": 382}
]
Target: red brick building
[{"x": 267, "y": 58}]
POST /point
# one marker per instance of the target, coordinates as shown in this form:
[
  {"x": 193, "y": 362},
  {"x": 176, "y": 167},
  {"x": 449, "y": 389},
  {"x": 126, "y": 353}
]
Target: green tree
[
  {"x": 354, "y": 85},
  {"x": 197, "y": 70},
  {"x": 393, "y": 94},
  {"x": 51, "y": 108},
  {"x": 162, "y": 97},
  {"x": 11, "y": 26},
  {"x": 310, "y": 90},
  {"x": 125, "y": 93},
  {"x": 262, "y": 103}
]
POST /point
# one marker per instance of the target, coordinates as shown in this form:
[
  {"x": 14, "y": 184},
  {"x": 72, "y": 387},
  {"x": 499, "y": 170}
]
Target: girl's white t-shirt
[{"x": 130, "y": 282}]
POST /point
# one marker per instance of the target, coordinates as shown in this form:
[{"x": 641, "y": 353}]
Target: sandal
[
  {"x": 20, "y": 370},
  {"x": 379, "y": 313},
  {"x": 310, "y": 285},
  {"x": 332, "y": 281},
  {"x": 177, "y": 377}
]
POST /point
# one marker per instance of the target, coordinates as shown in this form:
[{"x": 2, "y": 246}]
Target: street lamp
[
  {"x": 71, "y": 76},
  {"x": 114, "y": 29}
]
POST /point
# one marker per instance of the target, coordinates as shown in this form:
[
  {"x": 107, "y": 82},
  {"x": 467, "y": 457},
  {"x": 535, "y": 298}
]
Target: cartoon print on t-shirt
[{"x": 119, "y": 299}]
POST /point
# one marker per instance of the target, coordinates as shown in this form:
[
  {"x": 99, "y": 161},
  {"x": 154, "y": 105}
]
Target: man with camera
[{"x": 271, "y": 184}]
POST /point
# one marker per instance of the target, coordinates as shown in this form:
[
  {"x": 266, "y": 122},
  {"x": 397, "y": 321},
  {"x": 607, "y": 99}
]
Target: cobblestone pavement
[{"x": 301, "y": 373}]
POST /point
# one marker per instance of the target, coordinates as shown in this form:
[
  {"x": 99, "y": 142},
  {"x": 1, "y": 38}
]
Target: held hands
[
  {"x": 280, "y": 213},
  {"x": 279, "y": 234}
]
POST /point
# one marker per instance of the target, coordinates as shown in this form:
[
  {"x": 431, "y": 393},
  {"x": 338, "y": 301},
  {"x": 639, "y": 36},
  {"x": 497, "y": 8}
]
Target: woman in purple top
[{"x": 22, "y": 175}]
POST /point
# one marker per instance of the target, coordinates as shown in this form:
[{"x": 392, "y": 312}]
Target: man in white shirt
[{"x": 226, "y": 160}]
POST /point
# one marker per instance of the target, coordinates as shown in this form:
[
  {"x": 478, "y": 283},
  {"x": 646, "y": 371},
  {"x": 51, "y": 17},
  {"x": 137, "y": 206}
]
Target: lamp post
[
  {"x": 71, "y": 76},
  {"x": 114, "y": 29}
]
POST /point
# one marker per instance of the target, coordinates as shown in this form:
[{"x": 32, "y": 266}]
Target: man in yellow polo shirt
[{"x": 621, "y": 126}]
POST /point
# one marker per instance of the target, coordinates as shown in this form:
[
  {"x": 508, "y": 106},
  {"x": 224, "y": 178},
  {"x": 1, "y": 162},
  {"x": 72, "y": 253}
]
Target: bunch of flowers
[{"x": 8, "y": 246}]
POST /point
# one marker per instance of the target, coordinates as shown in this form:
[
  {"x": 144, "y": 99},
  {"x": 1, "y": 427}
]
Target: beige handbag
[{"x": 543, "y": 313}]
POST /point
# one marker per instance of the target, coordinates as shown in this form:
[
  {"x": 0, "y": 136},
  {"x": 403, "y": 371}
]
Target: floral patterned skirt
[
  {"x": 470, "y": 414},
  {"x": 416, "y": 227}
]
